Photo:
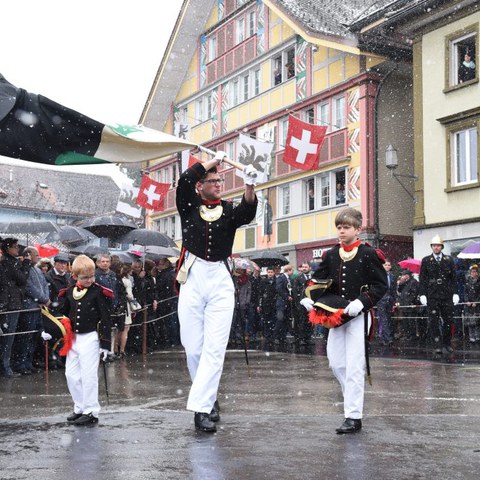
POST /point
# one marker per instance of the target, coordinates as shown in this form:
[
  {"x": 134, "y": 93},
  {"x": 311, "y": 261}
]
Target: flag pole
[{"x": 238, "y": 165}]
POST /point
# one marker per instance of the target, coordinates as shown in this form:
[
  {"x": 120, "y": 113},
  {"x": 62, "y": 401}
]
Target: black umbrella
[
  {"x": 42, "y": 226},
  {"x": 153, "y": 252},
  {"x": 124, "y": 257},
  {"x": 108, "y": 225},
  {"x": 69, "y": 234},
  {"x": 145, "y": 237},
  {"x": 269, "y": 258},
  {"x": 90, "y": 250}
]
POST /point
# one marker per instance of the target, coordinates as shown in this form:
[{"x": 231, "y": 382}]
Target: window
[
  {"x": 462, "y": 57},
  {"x": 310, "y": 194},
  {"x": 283, "y": 66},
  {"x": 338, "y": 113},
  {"x": 199, "y": 110},
  {"x": 174, "y": 176},
  {"x": 309, "y": 115},
  {"x": 212, "y": 48},
  {"x": 246, "y": 85},
  {"x": 167, "y": 226},
  {"x": 323, "y": 115},
  {"x": 230, "y": 149},
  {"x": 240, "y": 30},
  {"x": 464, "y": 157},
  {"x": 331, "y": 189},
  {"x": 282, "y": 133},
  {"x": 234, "y": 94},
  {"x": 256, "y": 82},
  {"x": 285, "y": 200},
  {"x": 251, "y": 23}
]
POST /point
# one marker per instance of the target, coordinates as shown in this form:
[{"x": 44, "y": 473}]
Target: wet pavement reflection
[{"x": 278, "y": 419}]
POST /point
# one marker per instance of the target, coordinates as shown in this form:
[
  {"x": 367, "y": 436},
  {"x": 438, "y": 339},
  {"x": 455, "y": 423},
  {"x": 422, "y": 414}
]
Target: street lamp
[{"x": 391, "y": 162}]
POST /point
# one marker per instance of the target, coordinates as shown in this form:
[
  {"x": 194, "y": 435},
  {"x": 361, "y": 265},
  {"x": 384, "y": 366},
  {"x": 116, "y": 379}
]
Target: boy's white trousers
[
  {"x": 346, "y": 356},
  {"x": 81, "y": 370}
]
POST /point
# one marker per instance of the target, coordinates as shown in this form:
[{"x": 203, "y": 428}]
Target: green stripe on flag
[{"x": 73, "y": 158}]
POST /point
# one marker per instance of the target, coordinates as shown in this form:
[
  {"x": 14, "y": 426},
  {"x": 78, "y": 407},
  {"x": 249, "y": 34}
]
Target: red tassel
[
  {"x": 68, "y": 337},
  {"x": 325, "y": 319}
]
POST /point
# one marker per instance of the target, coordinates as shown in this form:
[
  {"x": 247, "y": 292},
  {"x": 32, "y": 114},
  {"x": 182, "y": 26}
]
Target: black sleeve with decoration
[
  {"x": 245, "y": 212},
  {"x": 186, "y": 195}
]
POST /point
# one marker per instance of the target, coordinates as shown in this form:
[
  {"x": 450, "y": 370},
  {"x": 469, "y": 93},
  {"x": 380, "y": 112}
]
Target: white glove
[
  {"x": 104, "y": 354},
  {"x": 423, "y": 300},
  {"x": 354, "y": 308},
  {"x": 46, "y": 336},
  {"x": 219, "y": 156},
  {"x": 307, "y": 303},
  {"x": 455, "y": 299},
  {"x": 250, "y": 174}
]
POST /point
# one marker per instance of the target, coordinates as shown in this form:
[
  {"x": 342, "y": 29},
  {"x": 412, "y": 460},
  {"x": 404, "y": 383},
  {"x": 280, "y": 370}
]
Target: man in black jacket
[
  {"x": 206, "y": 301},
  {"x": 407, "y": 296},
  {"x": 14, "y": 274},
  {"x": 438, "y": 291},
  {"x": 267, "y": 304},
  {"x": 58, "y": 278}
]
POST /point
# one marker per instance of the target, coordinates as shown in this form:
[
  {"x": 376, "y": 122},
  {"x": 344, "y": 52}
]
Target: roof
[
  {"x": 56, "y": 191},
  {"x": 329, "y": 17}
]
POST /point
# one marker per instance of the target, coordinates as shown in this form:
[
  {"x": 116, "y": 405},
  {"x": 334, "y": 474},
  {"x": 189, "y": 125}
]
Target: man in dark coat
[
  {"x": 407, "y": 296},
  {"x": 284, "y": 304},
  {"x": 384, "y": 307},
  {"x": 303, "y": 328},
  {"x": 267, "y": 304},
  {"x": 58, "y": 278},
  {"x": 12, "y": 290},
  {"x": 438, "y": 291}
]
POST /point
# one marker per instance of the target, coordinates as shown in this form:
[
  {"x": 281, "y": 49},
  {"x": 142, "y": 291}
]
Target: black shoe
[
  {"x": 203, "y": 422},
  {"x": 350, "y": 425},
  {"x": 447, "y": 350},
  {"x": 85, "y": 419},
  {"x": 74, "y": 416},
  {"x": 24, "y": 371},
  {"x": 215, "y": 413}
]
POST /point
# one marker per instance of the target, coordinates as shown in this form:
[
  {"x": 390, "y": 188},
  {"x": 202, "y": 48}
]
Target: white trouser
[
  {"x": 81, "y": 370},
  {"x": 205, "y": 312},
  {"x": 346, "y": 355}
]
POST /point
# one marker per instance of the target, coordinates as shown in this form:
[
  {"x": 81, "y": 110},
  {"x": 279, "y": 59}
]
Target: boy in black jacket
[
  {"x": 358, "y": 277},
  {"x": 88, "y": 306}
]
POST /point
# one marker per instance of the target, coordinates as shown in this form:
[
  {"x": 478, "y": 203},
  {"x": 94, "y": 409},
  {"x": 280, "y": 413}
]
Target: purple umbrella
[{"x": 472, "y": 251}]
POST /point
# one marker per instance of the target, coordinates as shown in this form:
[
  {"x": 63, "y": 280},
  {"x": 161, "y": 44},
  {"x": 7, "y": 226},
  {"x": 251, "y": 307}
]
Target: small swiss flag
[
  {"x": 151, "y": 194},
  {"x": 303, "y": 144}
]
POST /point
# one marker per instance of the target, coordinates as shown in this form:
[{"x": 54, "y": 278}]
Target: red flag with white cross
[
  {"x": 151, "y": 194},
  {"x": 304, "y": 141}
]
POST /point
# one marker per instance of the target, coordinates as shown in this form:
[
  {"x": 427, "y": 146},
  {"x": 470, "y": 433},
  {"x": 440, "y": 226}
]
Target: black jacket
[
  {"x": 437, "y": 279},
  {"x": 208, "y": 240},
  {"x": 363, "y": 277},
  {"x": 407, "y": 293},
  {"x": 13, "y": 279},
  {"x": 56, "y": 283},
  {"x": 268, "y": 296},
  {"x": 89, "y": 313}
]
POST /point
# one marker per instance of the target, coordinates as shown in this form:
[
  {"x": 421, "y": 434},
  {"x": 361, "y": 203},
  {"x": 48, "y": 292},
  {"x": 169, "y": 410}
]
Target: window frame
[
  {"x": 452, "y": 60},
  {"x": 283, "y": 57},
  {"x": 451, "y": 131},
  {"x": 334, "y": 112}
]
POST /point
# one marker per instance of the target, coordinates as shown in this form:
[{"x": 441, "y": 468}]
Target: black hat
[
  {"x": 405, "y": 271},
  {"x": 61, "y": 257},
  {"x": 328, "y": 307}
]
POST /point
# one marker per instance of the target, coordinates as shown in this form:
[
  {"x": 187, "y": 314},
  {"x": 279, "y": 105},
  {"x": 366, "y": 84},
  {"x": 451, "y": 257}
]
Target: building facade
[{"x": 254, "y": 64}]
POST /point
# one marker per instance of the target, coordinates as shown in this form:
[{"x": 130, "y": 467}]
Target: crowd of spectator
[
  {"x": 268, "y": 308},
  {"x": 28, "y": 283}
]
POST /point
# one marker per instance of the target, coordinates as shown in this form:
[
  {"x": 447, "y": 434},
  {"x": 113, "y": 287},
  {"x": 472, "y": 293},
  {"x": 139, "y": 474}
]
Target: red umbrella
[
  {"x": 411, "y": 264},
  {"x": 46, "y": 250}
]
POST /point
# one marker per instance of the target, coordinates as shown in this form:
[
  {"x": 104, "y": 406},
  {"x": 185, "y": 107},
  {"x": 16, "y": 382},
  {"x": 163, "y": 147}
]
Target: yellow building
[
  {"x": 446, "y": 117},
  {"x": 242, "y": 68}
]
